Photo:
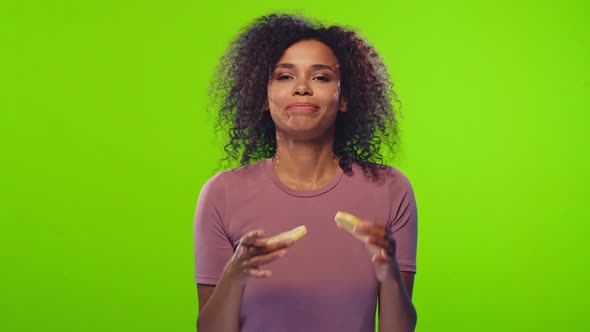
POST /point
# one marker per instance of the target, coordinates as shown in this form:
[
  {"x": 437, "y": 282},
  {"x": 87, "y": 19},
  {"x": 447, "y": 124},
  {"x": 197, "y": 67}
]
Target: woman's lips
[{"x": 303, "y": 107}]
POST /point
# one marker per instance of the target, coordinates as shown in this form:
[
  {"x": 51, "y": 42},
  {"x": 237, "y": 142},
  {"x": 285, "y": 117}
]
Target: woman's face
[{"x": 304, "y": 90}]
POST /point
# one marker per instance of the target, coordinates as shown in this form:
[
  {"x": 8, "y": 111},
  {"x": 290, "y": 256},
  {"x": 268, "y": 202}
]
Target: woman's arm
[
  {"x": 396, "y": 311},
  {"x": 220, "y": 311}
]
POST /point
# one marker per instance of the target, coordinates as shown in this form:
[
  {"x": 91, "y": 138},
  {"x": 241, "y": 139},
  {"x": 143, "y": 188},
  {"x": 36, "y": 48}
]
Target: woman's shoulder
[
  {"x": 384, "y": 174},
  {"x": 234, "y": 176}
]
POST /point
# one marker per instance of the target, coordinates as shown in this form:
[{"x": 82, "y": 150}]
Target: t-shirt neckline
[{"x": 269, "y": 170}]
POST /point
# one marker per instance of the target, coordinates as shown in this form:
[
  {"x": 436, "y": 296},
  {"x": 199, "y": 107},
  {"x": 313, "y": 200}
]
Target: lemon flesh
[
  {"x": 294, "y": 234},
  {"x": 347, "y": 222}
]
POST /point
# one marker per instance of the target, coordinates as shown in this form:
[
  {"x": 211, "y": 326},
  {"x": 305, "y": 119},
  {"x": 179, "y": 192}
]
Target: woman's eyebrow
[{"x": 315, "y": 66}]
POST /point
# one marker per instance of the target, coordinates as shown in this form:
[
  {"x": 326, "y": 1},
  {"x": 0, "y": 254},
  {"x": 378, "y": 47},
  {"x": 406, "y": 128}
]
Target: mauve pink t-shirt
[{"x": 326, "y": 282}]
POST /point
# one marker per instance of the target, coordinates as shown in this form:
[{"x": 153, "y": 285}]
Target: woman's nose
[{"x": 302, "y": 89}]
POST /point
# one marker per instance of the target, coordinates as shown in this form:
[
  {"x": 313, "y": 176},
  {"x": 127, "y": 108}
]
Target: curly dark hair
[{"x": 239, "y": 90}]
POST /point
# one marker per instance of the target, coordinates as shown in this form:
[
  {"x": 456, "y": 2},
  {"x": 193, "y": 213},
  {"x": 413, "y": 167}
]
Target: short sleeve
[
  {"x": 404, "y": 224},
  {"x": 213, "y": 248}
]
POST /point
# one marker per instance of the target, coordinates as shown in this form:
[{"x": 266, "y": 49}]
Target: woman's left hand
[{"x": 381, "y": 246}]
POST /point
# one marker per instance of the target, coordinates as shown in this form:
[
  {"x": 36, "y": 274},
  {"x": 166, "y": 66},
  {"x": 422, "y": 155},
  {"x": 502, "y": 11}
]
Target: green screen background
[{"x": 105, "y": 145}]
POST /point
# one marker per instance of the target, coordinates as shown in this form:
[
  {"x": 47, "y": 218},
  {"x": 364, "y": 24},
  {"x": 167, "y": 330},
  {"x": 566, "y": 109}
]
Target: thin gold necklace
[{"x": 275, "y": 160}]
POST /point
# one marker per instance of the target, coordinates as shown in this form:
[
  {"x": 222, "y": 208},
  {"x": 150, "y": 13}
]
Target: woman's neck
[{"x": 305, "y": 165}]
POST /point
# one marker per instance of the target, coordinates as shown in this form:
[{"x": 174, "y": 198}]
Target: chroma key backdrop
[{"x": 106, "y": 142}]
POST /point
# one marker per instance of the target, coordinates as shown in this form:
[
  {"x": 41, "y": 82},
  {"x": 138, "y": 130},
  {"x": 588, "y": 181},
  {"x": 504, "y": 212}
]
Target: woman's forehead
[{"x": 308, "y": 53}]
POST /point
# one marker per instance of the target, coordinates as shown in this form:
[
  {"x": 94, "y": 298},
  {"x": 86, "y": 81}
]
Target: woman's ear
[
  {"x": 342, "y": 106},
  {"x": 266, "y": 107}
]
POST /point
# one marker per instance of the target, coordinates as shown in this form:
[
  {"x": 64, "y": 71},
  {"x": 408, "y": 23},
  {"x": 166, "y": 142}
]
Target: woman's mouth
[{"x": 303, "y": 107}]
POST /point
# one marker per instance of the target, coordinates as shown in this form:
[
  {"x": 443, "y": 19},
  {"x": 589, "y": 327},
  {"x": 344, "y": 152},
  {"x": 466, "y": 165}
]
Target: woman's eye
[{"x": 288, "y": 77}]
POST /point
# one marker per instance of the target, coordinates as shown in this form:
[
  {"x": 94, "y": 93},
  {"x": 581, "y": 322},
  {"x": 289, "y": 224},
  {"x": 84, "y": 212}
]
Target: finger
[
  {"x": 377, "y": 241},
  {"x": 255, "y": 251},
  {"x": 263, "y": 244},
  {"x": 380, "y": 251},
  {"x": 387, "y": 241},
  {"x": 242, "y": 253},
  {"x": 264, "y": 259},
  {"x": 371, "y": 229},
  {"x": 251, "y": 237},
  {"x": 257, "y": 273},
  {"x": 377, "y": 230},
  {"x": 380, "y": 259}
]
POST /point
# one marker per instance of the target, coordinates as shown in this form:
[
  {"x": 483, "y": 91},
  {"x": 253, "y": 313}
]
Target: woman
[{"x": 307, "y": 109}]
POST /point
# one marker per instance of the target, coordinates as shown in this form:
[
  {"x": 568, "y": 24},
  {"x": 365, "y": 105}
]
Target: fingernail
[{"x": 282, "y": 253}]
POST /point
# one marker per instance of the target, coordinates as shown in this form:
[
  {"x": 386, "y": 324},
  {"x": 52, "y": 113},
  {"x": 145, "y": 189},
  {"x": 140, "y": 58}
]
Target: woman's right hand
[{"x": 253, "y": 252}]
